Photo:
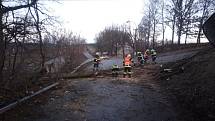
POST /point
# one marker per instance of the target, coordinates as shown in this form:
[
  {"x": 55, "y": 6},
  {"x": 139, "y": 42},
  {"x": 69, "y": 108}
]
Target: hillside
[{"x": 192, "y": 88}]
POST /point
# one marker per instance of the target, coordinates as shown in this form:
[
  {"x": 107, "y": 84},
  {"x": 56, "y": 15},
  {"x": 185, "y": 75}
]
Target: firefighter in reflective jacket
[
  {"x": 127, "y": 65},
  {"x": 96, "y": 62},
  {"x": 140, "y": 58},
  {"x": 153, "y": 55},
  {"x": 115, "y": 70}
]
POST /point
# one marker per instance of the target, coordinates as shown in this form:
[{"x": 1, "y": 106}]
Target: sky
[{"x": 89, "y": 17}]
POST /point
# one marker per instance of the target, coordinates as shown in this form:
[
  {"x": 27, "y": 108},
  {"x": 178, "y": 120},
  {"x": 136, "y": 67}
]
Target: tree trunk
[
  {"x": 135, "y": 41},
  {"x": 187, "y": 29},
  {"x": 179, "y": 37},
  {"x": 205, "y": 10},
  {"x": 173, "y": 29},
  {"x": 116, "y": 49},
  {"x": 179, "y": 31},
  {"x": 200, "y": 31},
  {"x": 149, "y": 29},
  {"x": 40, "y": 37},
  {"x": 15, "y": 58},
  {"x": 186, "y": 39},
  {"x": 2, "y": 44},
  {"x": 153, "y": 40},
  {"x": 163, "y": 28},
  {"x": 163, "y": 36}
]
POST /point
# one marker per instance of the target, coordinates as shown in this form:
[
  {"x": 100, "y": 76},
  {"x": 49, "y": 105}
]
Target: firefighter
[
  {"x": 146, "y": 55},
  {"x": 127, "y": 63},
  {"x": 140, "y": 58},
  {"x": 153, "y": 55},
  {"x": 115, "y": 70},
  {"x": 96, "y": 62}
]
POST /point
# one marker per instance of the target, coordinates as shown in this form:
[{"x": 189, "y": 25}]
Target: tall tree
[
  {"x": 19, "y": 21},
  {"x": 111, "y": 38},
  {"x": 163, "y": 21},
  {"x": 171, "y": 19},
  {"x": 181, "y": 10},
  {"x": 4, "y": 12},
  {"x": 155, "y": 18}
]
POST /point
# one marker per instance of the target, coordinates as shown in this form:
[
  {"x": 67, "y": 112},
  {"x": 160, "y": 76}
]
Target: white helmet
[{"x": 129, "y": 55}]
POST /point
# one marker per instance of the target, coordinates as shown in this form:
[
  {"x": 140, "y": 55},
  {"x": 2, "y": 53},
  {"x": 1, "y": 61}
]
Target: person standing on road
[
  {"x": 153, "y": 55},
  {"x": 115, "y": 70},
  {"x": 146, "y": 55},
  {"x": 96, "y": 62},
  {"x": 127, "y": 65},
  {"x": 140, "y": 58}
]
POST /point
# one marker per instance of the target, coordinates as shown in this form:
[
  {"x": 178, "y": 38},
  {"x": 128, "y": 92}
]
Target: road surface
[{"x": 163, "y": 58}]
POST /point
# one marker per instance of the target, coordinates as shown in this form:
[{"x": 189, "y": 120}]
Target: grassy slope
[{"x": 193, "y": 90}]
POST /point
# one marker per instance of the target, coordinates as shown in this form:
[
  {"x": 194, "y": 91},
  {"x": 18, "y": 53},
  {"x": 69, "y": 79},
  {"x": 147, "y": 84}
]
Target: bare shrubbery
[{"x": 28, "y": 50}]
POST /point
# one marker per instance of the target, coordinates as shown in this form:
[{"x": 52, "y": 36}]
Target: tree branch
[{"x": 7, "y": 9}]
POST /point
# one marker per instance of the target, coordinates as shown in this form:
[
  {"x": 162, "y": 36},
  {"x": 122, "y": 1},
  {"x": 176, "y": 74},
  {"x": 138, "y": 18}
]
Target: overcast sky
[{"x": 89, "y": 17}]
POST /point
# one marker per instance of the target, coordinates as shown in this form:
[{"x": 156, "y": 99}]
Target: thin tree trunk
[
  {"x": 173, "y": 29},
  {"x": 149, "y": 29},
  {"x": 199, "y": 32},
  {"x": 179, "y": 32},
  {"x": 153, "y": 40},
  {"x": 40, "y": 37},
  {"x": 163, "y": 36},
  {"x": 135, "y": 41},
  {"x": 2, "y": 44},
  {"x": 15, "y": 58},
  {"x": 186, "y": 39},
  {"x": 163, "y": 28},
  {"x": 116, "y": 49},
  {"x": 201, "y": 21},
  {"x": 179, "y": 37},
  {"x": 187, "y": 29}
]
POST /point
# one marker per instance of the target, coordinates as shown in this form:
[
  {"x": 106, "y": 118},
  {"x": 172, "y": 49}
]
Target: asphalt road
[{"x": 163, "y": 58}]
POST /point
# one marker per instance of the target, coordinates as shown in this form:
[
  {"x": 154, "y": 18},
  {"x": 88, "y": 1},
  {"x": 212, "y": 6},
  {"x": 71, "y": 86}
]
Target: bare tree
[
  {"x": 171, "y": 20},
  {"x": 112, "y": 38},
  {"x": 144, "y": 31},
  {"x": 38, "y": 28},
  {"x": 155, "y": 18},
  {"x": 181, "y": 10},
  {"x": 20, "y": 24},
  {"x": 6, "y": 11},
  {"x": 150, "y": 21},
  {"x": 163, "y": 22}
]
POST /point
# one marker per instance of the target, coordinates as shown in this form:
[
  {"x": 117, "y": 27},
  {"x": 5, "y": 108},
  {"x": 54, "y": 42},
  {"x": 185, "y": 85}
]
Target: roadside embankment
[{"x": 190, "y": 84}]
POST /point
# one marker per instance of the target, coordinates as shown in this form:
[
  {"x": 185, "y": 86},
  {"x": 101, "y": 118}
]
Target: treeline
[
  {"x": 26, "y": 44},
  {"x": 112, "y": 38},
  {"x": 66, "y": 44},
  {"x": 185, "y": 18},
  {"x": 164, "y": 22}
]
